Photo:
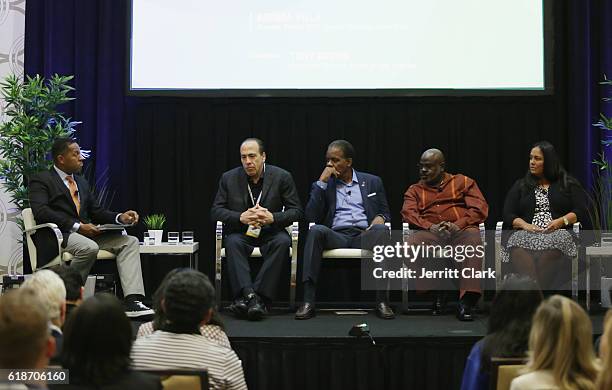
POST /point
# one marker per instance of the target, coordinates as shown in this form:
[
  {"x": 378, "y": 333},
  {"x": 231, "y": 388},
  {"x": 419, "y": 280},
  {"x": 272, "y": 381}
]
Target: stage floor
[{"x": 329, "y": 325}]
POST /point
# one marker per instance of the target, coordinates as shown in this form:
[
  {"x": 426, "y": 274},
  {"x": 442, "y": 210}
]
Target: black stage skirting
[{"x": 411, "y": 352}]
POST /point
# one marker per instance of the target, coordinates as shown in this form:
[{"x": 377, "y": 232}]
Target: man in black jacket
[
  {"x": 255, "y": 202},
  {"x": 62, "y": 197}
]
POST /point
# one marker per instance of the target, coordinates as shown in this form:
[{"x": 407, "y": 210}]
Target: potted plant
[
  {"x": 602, "y": 191},
  {"x": 32, "y": 126},
  {"x": 155, "y": 225}
]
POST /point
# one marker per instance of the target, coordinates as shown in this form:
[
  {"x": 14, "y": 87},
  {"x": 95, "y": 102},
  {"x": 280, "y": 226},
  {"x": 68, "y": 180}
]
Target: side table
[
  {"x": 179, "y": 249},
  {"x": 594, "y": 252}
]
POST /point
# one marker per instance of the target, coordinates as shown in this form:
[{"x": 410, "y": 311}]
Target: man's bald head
[
  {"x": 431, "y": 166},
  {"x": 435, "y": 154}
]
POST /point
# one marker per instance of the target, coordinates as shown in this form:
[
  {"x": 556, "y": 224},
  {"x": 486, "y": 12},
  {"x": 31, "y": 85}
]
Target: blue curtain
[
  {"x": 590, "y": 54},
  {"x": 85, "y": 39}
]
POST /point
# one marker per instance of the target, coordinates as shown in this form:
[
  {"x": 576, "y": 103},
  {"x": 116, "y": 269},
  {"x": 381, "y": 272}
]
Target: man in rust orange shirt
[{"x": 446, "y": 209}]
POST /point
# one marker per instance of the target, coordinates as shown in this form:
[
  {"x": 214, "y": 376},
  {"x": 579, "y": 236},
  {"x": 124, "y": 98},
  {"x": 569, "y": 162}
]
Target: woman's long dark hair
[
  {"x": 553, "y": 169},
  {"x": 159, "y": 319},
  {"x": 510, "y": 319},
  {"x": 97, "y": 341}
]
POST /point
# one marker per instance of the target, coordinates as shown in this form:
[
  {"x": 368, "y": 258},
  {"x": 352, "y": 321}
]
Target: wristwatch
[{"x": 565, "y": 221}]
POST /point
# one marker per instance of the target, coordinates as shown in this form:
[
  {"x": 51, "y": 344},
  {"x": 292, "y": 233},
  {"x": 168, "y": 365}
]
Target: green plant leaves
[{"x": 33, "y": 124}]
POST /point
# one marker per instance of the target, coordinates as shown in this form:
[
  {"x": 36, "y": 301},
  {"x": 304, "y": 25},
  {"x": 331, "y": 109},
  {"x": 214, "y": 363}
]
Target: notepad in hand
[{"x": 111, "y": 226}]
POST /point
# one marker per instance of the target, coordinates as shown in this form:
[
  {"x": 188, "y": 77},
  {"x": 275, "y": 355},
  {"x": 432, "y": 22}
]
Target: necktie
[{"x": 74, "y": 193}]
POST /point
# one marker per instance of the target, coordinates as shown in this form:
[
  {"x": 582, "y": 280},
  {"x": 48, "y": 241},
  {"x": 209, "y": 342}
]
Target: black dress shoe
[
  {"x": 257, "y": 308},
  {"x": 305, "y": 312},
  {"x": 239, "y": 307},
  {"x": 384, "y": 311},
  {"x": 439, "y": 305},
  {"x": 464, "y": 311}
]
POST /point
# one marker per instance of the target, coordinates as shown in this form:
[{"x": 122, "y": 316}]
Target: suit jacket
[
  {"x": 278, "y": 192},
  {"x": 51, "y": 202},
  {"x": 321, "y": 207}
]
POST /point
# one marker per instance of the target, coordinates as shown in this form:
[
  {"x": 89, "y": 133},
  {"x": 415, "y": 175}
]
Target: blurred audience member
[
  {"x": 604, "y": 380},
  {"x": 560, "y": 348},
  {"x": 50, "y": 289},
  {"x": 508, "y": 333},
  {"x": 213, "y": 330},
  {"x": 74, "y": 287},
  {"x": 25, "y": 341},
  {"x": 187, "y": 304},
  {"x": 97, "y": 344}
]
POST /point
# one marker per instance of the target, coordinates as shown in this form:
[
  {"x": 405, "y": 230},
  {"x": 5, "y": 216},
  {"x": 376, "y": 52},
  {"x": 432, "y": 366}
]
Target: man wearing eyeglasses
[
  {"x": 348, "y": 207},
  {"x": 446, "y": 209}
]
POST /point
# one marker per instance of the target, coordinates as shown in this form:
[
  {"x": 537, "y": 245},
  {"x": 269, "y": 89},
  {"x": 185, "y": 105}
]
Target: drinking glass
[
  {"x": 188, "y": 237},
  {"x": 173, "y": 238}
]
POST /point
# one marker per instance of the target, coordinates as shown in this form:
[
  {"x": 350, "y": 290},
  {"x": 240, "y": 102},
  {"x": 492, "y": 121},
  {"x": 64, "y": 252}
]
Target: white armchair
[
  {"x": 406, "y": 233},
  {"x": 574, "y": 260},
  {"x": 293, "y": 231},
  {"x": 31, "y": 227}
]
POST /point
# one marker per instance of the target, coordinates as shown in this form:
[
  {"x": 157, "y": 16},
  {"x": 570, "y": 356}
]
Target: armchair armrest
[
  {"x": 294, "y": 232},
  {"x": 218, "y": 246},
  {"x": 49, "y": 225},
  {"x": 405, "y": 230},
  {"x": 483, "y": 233},
  {"x": 30, "y": 243}
]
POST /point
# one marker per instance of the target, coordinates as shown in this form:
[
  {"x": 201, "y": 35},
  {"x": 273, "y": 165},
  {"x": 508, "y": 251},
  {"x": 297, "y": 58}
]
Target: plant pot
[{"x": 157, "y": 234}]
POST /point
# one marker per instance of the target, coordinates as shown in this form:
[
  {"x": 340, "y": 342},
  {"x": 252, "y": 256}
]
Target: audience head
[
  {"x": 25, "y": 341},
  {"x": 97, "y": 341},
  {"x": 160, "y": 317},
  {"x": 188, "y": 301},
  {"x": 510, "y": 319},
  {"x": 73, "y": 282},
  {"x": 604, "y": 380},
  {"x": 66, "y": 155},
  {"x": 52, "y": 293},
  {"x": 253, "y": 156},
  {"x": 515, "y": 302},
  {"x": 561, "y": 341},
  {"x": 339, "y": 155},
  {"x": 432, "y": 166}
]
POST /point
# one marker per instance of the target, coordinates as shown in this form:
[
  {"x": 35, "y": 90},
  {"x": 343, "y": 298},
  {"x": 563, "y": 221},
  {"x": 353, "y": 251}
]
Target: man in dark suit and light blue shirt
[
  {"x": 255, "y": 202},
  {"x": 62, "y": 197},
  {"x": 348, "y": 207}
]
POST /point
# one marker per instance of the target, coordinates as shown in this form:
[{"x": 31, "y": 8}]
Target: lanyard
[
  {"x": 261, "y": 192},
  {"x": 252, "y": 198}
]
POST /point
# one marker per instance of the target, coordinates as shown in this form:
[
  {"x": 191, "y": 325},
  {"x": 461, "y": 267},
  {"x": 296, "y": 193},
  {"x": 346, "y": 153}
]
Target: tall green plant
[
  {"x": 34, "y": 122},
  {"x": 602, "y": 217}
]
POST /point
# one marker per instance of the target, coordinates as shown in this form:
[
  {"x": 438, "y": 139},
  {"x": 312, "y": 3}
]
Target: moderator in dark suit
[
  {"x": 279, "y": 196},
  {"x": 51, "y": 201}
]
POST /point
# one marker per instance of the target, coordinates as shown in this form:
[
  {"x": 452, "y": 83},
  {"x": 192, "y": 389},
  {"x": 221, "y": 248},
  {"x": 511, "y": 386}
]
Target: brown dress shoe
[{"x": 305, "y": 312}]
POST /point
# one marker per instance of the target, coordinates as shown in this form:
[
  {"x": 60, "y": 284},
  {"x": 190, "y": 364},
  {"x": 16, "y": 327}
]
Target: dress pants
[
  {"x": 469, "y": 236},
  {"x": 274, "y": 247},
  {"x": 126, "y": 248},
  {"x": 321, "y": 237}
]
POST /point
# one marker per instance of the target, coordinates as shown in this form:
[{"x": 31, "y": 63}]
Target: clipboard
[{"x": 111, "y": 227}]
